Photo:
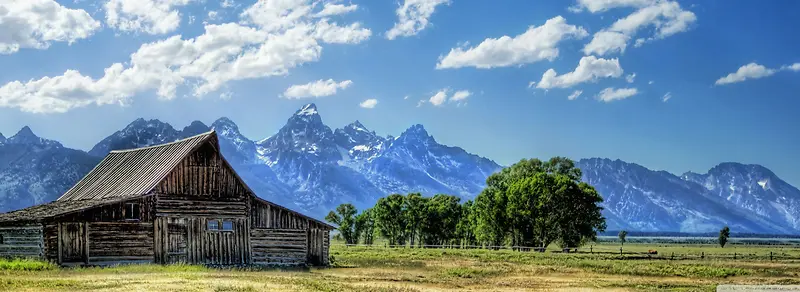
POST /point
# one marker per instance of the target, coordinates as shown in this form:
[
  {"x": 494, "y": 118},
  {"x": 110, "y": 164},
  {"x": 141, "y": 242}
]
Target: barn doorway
[
  {"x": 72, "y": 242},
  {"x": 177, "y": 240}
]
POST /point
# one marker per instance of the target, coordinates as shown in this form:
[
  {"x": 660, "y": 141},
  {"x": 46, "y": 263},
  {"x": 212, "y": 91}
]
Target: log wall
[
  {"x": 22, "y": 241},
  {"x": 120, "y": 242},
  {"x": 279, "y": 246}
]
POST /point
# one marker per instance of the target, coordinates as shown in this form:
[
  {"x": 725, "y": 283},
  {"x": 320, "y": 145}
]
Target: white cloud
[
  {"x": 793, "y": 67},
  {"x": 406, "y": 97},
  {"x": 147, "y": 16},
  {"x": 536, "y": 44},
  {"x": 213, "y": 15},
  {"x": 607, "y": 42},
  {"x": 331, "y": 9},
  {"x": 413, "y": 17},
  {"x": 369, "y": 103},
  {"x": 317, "y": 88},
  {"x": 666, "y": 17},
  {"x": 575, "y": 94},
  {"x": 666, "y": 97},
  {"x": 749, "y": 71},
  {"x": 443, "y": 95},
  {"x": 590, "y": 68},
  {"x": 439, "y": 98},
  {"x": 191, "y": 19},
  {"x": 651, "y": 82},
  {"x": 460, "y": 95},
  {"x": 36, "y": 24},
  {"x": 612, "y": 94},
  {"x": 630, "y": 77},
  {"x": 226, "y": 4},
  {"x": 420, "y": 102},
  {"x": 595, "y": 6},
  {"x": 271, "y": 38}
]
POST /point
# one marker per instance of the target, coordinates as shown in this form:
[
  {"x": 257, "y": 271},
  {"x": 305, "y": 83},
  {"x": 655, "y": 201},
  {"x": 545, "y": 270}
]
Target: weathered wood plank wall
[
  {"x": 22, "y": 241},
  {"x": 72, "y": 242},
  {"x": 120, "y": 242},
  {"x": 264, "y": 215},
  {"x": 203, "y": 174},
  {"x": 279, "y": 246}
]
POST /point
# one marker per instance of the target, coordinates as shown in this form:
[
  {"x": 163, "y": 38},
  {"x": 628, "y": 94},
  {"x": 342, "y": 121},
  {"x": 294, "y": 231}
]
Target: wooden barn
[{"x": 179, "y": 202}]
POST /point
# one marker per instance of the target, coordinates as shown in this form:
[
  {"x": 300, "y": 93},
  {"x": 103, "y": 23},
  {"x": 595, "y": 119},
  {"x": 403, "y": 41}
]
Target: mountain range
[{"x": 310, "y": 167}]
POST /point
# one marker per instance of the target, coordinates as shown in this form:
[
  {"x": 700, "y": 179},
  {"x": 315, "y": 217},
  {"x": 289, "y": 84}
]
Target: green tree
[
  {"x": 724, "y": 234},
  {"x": 344, "y": 216},
  {"x": 391, "y": 219},
  {"x": 581, "y": 216},
  {"x": 622, "y": 234},
  {"x": 465, "y": 229},
  {"x": 490, "y": 217},
  {"x": 442, "y": 213},
  {"x": 365, "y": 225},
  {"x": 414, "y": 205}
]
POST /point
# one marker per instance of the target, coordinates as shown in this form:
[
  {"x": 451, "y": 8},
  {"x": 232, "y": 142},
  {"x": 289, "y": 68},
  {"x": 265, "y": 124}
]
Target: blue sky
[{"x": 730, "y": 70}]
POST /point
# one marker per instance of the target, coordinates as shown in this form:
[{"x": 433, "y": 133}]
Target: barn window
[
  {"x": 132, "y": 211},
  {"x": 213, "y": 225},
  {"x": 227, "y": 225}
]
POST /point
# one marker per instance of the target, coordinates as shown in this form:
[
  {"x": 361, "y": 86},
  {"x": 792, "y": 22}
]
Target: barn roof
[{"x": 134, "y": 172}]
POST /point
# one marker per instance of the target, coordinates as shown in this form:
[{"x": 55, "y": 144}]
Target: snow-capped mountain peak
[
  {"x": 25, "y": 136},
  {"x": 2, "y": 138},
  {"x": 307, "y": 110}
]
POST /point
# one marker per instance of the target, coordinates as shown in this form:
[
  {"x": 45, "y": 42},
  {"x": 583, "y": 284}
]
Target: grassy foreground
[{"x": 382, "y": 269}]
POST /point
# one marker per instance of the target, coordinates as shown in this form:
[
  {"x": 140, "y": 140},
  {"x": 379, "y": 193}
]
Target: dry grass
[{"x": 380, "y": 269}]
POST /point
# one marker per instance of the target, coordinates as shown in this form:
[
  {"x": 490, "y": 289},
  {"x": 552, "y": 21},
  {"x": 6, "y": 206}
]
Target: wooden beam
[
  {"x": 59, "y": 237},
  {"x": 86, "y": 243}
]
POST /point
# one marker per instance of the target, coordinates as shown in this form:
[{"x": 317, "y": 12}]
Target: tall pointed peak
[
  {"x": 307, "y": 110},
  {"x": 25, "y": 133},
  {"x": 26, "y": 136},
  {"x": 2, "y": 138}
]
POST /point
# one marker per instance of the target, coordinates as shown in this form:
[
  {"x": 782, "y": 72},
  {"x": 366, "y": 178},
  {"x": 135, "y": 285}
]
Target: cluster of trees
[{"x": 532, "y": 203}]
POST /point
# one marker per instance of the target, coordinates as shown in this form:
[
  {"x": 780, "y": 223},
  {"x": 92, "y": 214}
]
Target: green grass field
[{"x": 406, "y": 269}]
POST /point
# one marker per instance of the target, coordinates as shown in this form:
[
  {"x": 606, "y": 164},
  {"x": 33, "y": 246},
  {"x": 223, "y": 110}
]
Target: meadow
[{"x": 679, "y": 267}]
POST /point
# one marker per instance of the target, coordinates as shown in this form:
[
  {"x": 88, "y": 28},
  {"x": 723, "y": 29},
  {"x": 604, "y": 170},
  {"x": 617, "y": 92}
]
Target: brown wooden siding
[
  {"x": 72, "y": 243},
  {"x": 196, "y": 206},
  {"x": 279, "y": 246},
  {"x": 22, "y": 241},
  {"x": 50, "y": 233},
  {"x": 189, "y": 240},
  {"x": 264, "y": 215},
  {"x": 120, "y": 242},
  {"x": 203, "y": 174}
]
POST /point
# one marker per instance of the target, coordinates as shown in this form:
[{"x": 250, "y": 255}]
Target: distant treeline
[
  {"x": 530, "y": 204},
  {"x": 698, "y": 234}
]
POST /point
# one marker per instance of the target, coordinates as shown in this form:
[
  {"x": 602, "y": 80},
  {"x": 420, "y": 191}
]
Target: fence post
[
  {"x": 620, "y": 251},
  {"x": 591, "y": 249},
  {"x": 672, "y": 257},
  {"x": 702, "y": 255},
  {"x": 734, "y": 255},
  {"x": 770, "y": 256}
]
